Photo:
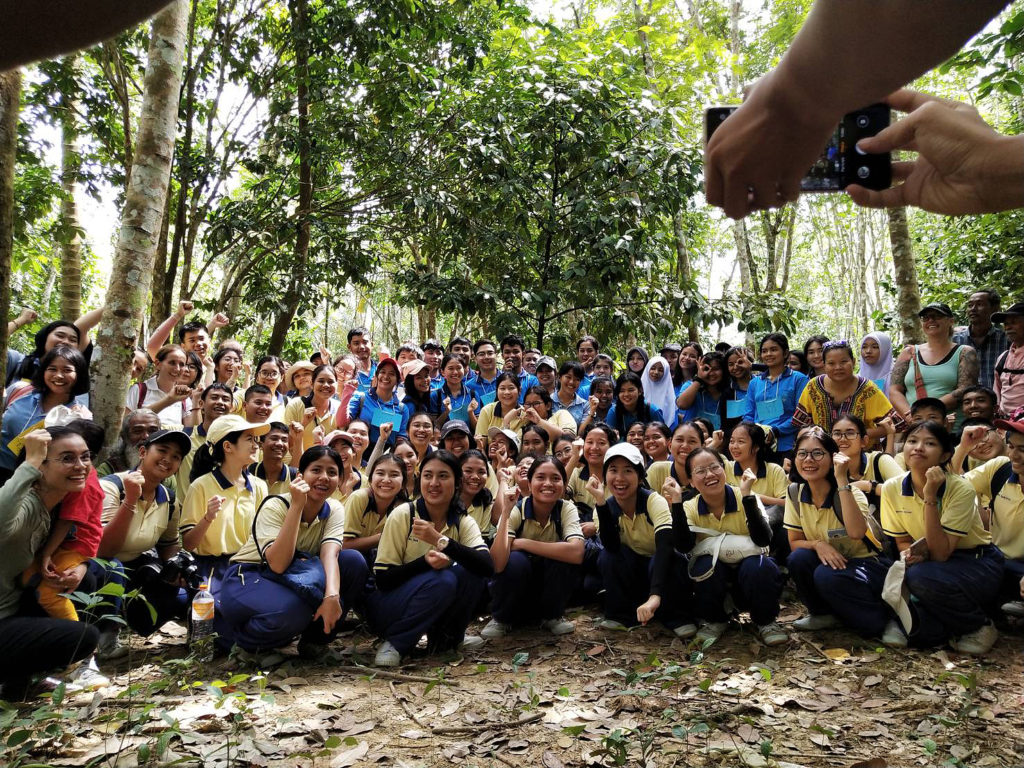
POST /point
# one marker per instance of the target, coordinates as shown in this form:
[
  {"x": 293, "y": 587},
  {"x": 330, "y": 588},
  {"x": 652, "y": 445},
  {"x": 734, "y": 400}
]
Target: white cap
[{"x": 627, "y": 451}]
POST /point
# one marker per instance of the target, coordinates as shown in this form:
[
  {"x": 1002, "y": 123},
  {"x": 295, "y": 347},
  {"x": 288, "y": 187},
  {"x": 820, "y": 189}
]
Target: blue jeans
[
  {"x": 627, "y": 581},
  {"x": 532, "y": 589},
  {"x": 168, "y": 601},
  {"x": 437, "y": 603},
  {"x": 755, "y": 584},
  {"x": 852, "y": 594},
  {"x": 954, "y": 597}
]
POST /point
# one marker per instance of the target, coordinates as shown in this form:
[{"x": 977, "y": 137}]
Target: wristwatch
[{"x": 442, "y": 543}]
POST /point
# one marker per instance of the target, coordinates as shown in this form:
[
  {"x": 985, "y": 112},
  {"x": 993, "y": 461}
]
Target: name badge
[
  {"x": 387, "y": 417},
  {"x": 734, "y": 408},
  {"x": 769, "y": 409},
  {"x": 461, "y": 412},
  {"x": 714, "y": 418},
  {"x": 880, "y": 383},
  {"x": 488, "y": 397}
]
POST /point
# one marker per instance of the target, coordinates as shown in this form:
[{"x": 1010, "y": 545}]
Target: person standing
[
  {"x": 1009, "y": 368},
  {"x": 988, "y": 340}
]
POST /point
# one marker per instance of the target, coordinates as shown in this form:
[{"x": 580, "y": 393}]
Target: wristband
[
  {"x": 333, "y": 597},
  {"x": 842, "y": 488}
]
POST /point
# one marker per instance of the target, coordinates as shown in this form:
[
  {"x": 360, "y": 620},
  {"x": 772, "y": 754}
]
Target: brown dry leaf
[
  {"x": 748, "y": 733},
  {"x": 518, "y": 746},
  {"x": 414, "y": 734},
  {"x": 872, "y": 703},
  {"x": 550, "y": 760},
  {"x": 874, "y": 762},
  {"x": 597, "y": 650},
  {"x": 565, "y": 742},
  {"x": 358, "y": 728},
  {"x": 821, "y": 739},
  {"x": 295, "y": 681},
  {"x": 350, "y": 756},
  {"x": 837, "y": 654},
  {"x": 450, "y": 708},
  {"x": 872, "y": 680}
]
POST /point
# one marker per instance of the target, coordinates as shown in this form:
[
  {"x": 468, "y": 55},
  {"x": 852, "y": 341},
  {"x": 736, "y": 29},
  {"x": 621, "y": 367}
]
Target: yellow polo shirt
[
  {"x": 154, "y": 524},
  {"x": 277, "y": 486},
  {"x": 295, "y": 410},
  {"x": 771, "y": 481},
  {"x": 198, "y": 437},
  {"x": 823, "y": 523},
  {"x": 1007, "y": 523},
  {"x": 638, "y": 532},
  {"x": 361, "y": 516},
  {"x": 903, "y": 511},
  {"x": 564, "y": 512},
  {"x": 328, "y": 525},
  {"x": 733, "y": 520},
  {"x": 233, "y": 525},
  {"x": 398, "y": 545}
]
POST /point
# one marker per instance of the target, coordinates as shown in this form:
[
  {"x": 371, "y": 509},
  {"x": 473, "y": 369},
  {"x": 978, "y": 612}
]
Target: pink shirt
[{"x": 1009, "y": 386}]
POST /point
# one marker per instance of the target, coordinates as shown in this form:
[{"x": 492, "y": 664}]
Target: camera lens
[
  {"x": 863, "y": 172},
  {"x": 863, "y": 121}
]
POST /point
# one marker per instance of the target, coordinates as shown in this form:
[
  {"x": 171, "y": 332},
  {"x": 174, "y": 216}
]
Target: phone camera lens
[
  {"x": 863, "y": 172},
  {"x": 863, "y": 121}
]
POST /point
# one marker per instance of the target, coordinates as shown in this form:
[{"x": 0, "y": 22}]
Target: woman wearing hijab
[
  {"x": 658, "y": 388},
  {"x": 636, "y": 359},
  {"x": 876, "y": 359}
]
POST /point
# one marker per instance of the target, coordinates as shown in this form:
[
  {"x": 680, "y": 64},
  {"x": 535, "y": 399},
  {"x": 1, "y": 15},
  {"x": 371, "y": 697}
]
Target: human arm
[
  {"x": 475, "y": 560},
  {"x": 330, "y": 608},
  {"x": 663, "y": 554},
  {"x": 281, "y": 551},
  {"x": 941, "y": 543},
  {"x": 25, "y": 317},
  {"x": 846, "y": 55},
  {"x": 966, "y": 376},
  {"x": 116, "y": 530},
  {"x": 968, "y": 442},
  {"x": 897, "y": 385},
  {"x": 20, "y": 483},
  {"x": 192, "y": 537},
  {"x": 501, "y": 547},
  {"x": 563, "y": 551},
  {"x": 963, "y": 165},
  {"x": 757, "y": 521},
  {"x": 86, "y": 322},
  {"x": 59, "y": 530},
  {"x": 689, "y": 394},
  {"x": 683, "y": 537}
]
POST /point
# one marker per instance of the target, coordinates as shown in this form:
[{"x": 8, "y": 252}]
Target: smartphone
[{"x": 840, "y": 163}]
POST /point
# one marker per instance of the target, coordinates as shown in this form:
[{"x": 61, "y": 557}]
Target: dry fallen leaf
[
  {"x": 550, "y": 760},
  {"x": 874, "y": 762},
  {"x": 597, "y": 650},
  {"x": 872, "y": 680},
  {"x": 350, "y": 756},
  {"x": 413, "y": 734},
  {"x": 837, "y": 654}
]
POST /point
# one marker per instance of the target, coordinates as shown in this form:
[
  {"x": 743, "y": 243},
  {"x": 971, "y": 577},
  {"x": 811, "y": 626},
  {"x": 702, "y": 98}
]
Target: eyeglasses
[
  {"x": 71, "y": 459},
  {"x": 847, "y": 435},
  {"x": 711, "y": 469},
  {"x": 271, "y": 374},
  {"x": 252, "y": 440},
  {"x": 817, "y": 454}
]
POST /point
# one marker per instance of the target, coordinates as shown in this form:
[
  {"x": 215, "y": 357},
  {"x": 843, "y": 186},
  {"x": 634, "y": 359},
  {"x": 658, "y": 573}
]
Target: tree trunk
[
  {"x": 297, "y": 281},
  {"x": 683, "y": 267},
  {"x": 160, "y": 303},
  {"x": 908, "y": 297},
  {"x": 145, "y": 199},
  {"x": 184, "y": 163},
  {"x": 70, "y": 227},
  {"x": 10, "y": 99}
]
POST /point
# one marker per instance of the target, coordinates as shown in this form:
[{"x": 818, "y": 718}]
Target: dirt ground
[{"x": 638, "y": 698}]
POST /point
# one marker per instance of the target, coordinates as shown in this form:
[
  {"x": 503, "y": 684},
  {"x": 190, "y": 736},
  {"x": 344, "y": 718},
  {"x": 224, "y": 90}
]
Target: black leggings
[{"x": 32, "y": 643}]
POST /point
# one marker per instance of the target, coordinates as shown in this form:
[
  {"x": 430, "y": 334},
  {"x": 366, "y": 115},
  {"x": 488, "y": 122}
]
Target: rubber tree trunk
[
  {"x": 134, "y": 256},
  {"x": 10, "y": 96},
  {"x": 70, "y": 226},
  {"x": 908, "y": 293}
]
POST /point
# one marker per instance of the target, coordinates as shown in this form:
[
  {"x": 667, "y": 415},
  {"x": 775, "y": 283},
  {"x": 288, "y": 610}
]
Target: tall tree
[
  {"x": 70, "y": 227},
  {"x": 908, "y": 300},
  {"x": 146, "y": 197},
  {"x": 10, "y": 97}
]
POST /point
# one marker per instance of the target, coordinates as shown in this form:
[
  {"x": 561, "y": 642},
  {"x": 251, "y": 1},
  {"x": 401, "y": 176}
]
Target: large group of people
[{"x": 420, "y": 491}]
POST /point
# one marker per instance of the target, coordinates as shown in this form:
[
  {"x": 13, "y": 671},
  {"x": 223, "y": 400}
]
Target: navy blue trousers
[
  {"x": 954, "y": 597},
  {"x": 157, "y": 602},
  {"x": 853, "y": 594},
  {"x": 258, "y": 614},
  {"x": 438, "y": 604},
  {"x": 1012, "y": 574},
  {"x": 755, "y": 584},
  {"x": 627, "y": 581},
  {"x": 532, "y": 589}
]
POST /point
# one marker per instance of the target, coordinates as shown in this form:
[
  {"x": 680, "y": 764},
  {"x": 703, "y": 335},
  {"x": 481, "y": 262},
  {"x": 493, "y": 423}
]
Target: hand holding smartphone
[{"x": 840, "y": 163}]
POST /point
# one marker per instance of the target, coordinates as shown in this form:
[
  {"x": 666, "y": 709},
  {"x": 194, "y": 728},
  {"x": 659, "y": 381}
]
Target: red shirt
[{"x": 85, "y": 509}]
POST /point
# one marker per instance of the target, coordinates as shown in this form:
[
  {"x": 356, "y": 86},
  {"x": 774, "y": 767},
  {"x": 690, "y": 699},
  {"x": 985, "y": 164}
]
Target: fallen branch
[
  {"x": 815, "y": 646},
  {"x": 388, "y": 675},
  {"x": 501, "y": 759},
  {"x": 407, "y": 708},
  {"x": 488, "y": 726}
]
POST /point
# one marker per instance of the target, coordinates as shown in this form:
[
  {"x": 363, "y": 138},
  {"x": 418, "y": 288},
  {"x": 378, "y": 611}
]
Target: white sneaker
[
  {"x": 816, "y": 621},
  {"x": 109, "y": 647},
  {"x": 711, "y": 630},
  {"x": 894, "y": 636},
  {"x": 685, "y": 631},
  {"x": 471, "y": 643},
  {"x": 559, "y": 626},
  {"x": 978, "y": 643},
  {"x": 1014, "y": 608},
  {"x": 88, "y": 676},
  {"x": 611, "y": 624},
  {"x": 387, "y": 656},
  {"x": 772, "y": 634},
  {"x": 495, "y": 629}
]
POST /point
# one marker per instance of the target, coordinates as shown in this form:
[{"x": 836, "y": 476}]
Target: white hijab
[
  {"x": 882, "y": 370},
  {"x": 660, "y": 393}
]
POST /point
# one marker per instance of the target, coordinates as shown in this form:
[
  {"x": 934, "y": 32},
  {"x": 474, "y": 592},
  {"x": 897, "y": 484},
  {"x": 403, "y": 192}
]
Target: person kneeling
[
  {"x": 431, "y": 568},
  {"x": 537, "y": 552},
  {"x": 259, "y": 610}
]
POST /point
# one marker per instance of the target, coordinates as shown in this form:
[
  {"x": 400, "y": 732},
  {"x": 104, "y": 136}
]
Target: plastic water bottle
[{"x": 201, "y": 640}]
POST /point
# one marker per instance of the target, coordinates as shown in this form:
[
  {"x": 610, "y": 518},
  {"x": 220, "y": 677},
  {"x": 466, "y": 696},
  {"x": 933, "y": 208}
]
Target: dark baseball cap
[
  {"x": 1013, "y": 309},
  {"x": 172, "y": 437},
  {"x": 455, "y": 425},
  {"x": 936, "y": 306}
]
